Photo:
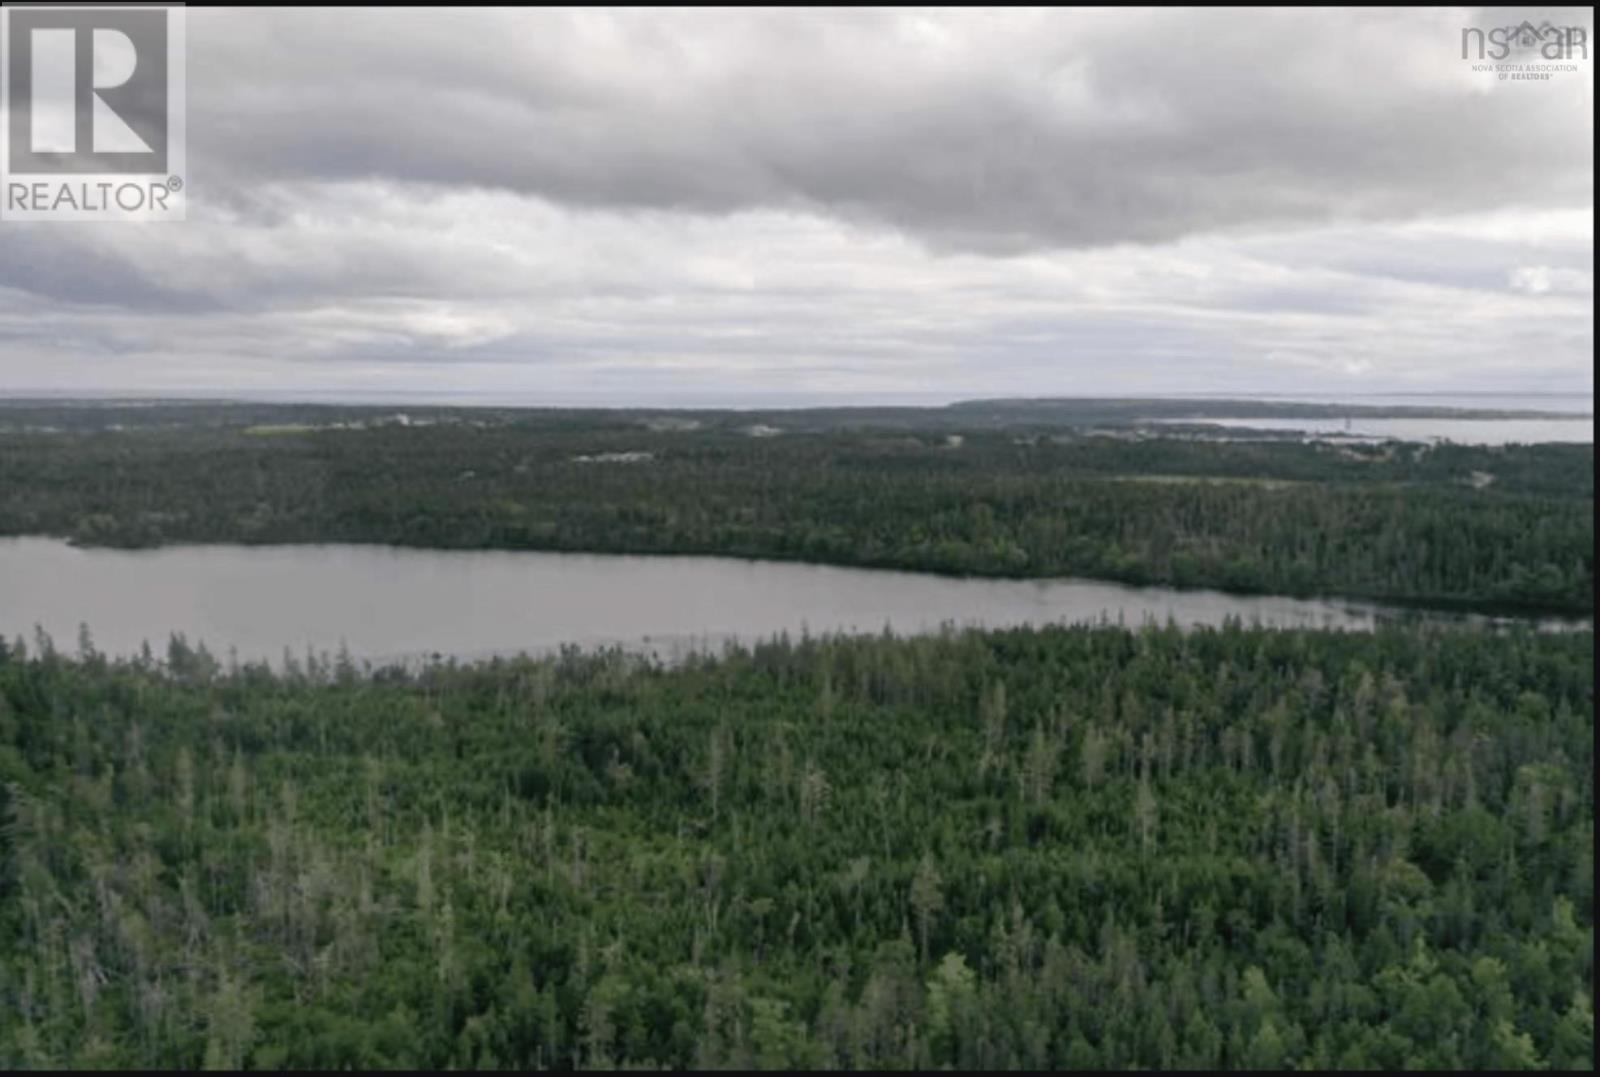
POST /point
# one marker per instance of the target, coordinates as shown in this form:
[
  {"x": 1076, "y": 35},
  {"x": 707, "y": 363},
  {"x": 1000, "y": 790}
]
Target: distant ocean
[{"x": 1581, "y": 403}]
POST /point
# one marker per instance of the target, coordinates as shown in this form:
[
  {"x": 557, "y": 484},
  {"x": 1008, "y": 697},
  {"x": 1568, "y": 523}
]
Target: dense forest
[
  {"x": 1082, "y": 847},
  {"x": 1450, "y": 524}
]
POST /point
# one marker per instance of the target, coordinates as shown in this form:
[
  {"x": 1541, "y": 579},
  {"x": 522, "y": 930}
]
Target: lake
[
  {"x": 1460, "y": 431},
  {"x": 388, "y": 604}
]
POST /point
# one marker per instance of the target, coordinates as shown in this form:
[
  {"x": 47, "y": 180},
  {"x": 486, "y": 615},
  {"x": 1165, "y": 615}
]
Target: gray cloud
[
  {"x": 698, "y": 205},
  {"x": 986, "y": 130}
]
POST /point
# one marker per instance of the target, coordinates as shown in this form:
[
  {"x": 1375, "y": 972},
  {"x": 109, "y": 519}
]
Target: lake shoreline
[
  {"x": 1510, "y": 609},
  {"x": 387, "y": 603}
]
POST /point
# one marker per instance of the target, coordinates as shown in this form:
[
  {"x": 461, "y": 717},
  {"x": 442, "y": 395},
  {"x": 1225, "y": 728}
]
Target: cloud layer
[{"x": 649, "y": 204}]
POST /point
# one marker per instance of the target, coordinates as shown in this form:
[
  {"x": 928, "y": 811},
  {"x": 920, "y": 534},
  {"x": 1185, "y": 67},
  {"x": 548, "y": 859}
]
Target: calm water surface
[
  {"x": 1460, "y": 431},
  {"x": 389, "y": 604}
]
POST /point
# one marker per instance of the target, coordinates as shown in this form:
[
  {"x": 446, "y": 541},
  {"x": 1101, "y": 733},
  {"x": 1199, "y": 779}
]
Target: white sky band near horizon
[{"x": 656, "y": 207}]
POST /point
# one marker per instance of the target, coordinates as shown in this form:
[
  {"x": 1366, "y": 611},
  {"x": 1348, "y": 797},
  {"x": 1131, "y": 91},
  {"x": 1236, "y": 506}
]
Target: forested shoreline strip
[{"x": 1487, "y": 528}]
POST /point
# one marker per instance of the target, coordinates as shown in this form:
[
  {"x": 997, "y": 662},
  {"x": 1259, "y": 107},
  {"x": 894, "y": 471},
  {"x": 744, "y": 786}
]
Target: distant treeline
[
  {"x": 1508, "y": 526},
  {"x": 998, "y": 414},
  {"x": 1068, "y": 848}
]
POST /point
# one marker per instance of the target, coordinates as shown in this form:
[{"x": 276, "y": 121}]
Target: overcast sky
[{"x": 738, "y": 206}]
